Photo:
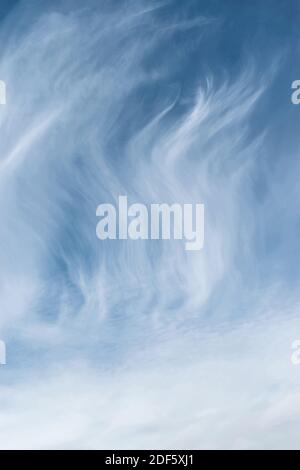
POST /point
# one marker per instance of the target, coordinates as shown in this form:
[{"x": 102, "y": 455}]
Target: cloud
[
  {"x": 228, "y": 389},
  {"x": 119, "y": 342}
]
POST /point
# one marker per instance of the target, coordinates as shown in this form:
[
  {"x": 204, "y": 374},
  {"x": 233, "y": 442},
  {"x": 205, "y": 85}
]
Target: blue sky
[{"x": 140, "y": 344}]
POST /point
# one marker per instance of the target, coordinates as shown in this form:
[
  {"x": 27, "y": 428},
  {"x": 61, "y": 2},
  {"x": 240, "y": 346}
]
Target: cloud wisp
[{"x": 98, "y": 106}]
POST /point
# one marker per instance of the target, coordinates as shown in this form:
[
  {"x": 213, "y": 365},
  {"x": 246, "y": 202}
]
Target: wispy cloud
[{"x": 141, "y": 344}]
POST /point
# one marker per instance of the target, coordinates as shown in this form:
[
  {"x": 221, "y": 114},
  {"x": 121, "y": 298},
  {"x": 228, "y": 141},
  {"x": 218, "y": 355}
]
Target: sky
[{"x": 136, "y": 344}]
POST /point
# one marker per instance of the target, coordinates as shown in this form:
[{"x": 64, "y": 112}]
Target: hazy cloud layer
[{"x": 136, "y": 344}]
